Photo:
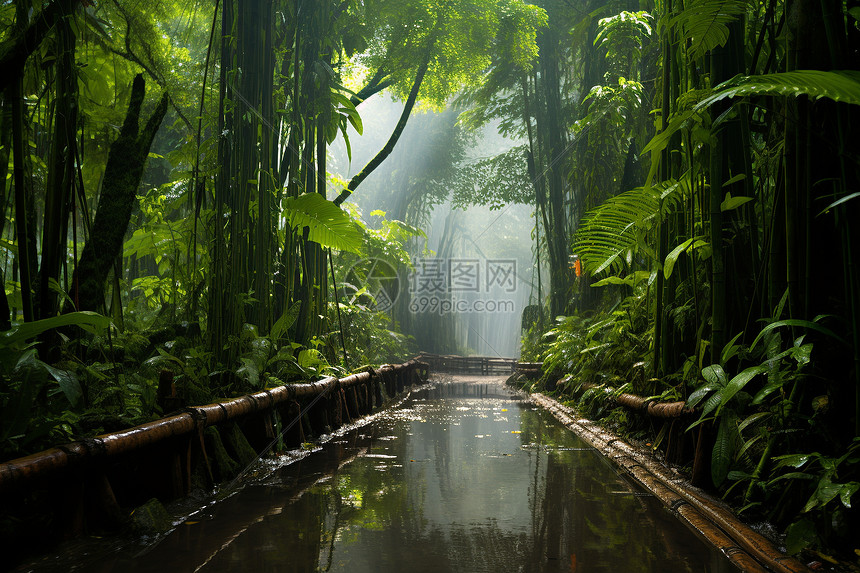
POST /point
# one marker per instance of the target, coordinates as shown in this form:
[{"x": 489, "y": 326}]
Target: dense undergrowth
[
  {"x": 107, "y": 378},
  {"x": 774, "y": 447}
]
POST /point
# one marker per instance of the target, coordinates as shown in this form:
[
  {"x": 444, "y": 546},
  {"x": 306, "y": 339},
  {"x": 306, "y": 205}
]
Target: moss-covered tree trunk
[{"x": 122, "y": 176}]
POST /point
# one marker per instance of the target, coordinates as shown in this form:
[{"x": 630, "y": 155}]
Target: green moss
[
  {"x": 243, "y": 450},
  {"x": 151, "y": 518},
  {"x": 224, "y": 465}
]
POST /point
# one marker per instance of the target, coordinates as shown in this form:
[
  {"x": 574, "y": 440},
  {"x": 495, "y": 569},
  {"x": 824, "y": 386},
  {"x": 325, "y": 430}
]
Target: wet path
[{"x": 465, "y": 476}]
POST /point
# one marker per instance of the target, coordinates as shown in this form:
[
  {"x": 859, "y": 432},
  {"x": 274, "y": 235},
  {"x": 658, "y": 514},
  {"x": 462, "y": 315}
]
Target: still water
[{"x": 465, "y": 476}]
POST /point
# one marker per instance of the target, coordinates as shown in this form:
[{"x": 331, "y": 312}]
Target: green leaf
[
  {"x": 704, "y": 23},
  {"x": 69, "y": 384},
  {"x": 630, "y": 280},
  {"x": 842, "y": 86},
  {"x": 87, "y": 320},
  {"x": 672, "y": 257},
  {"x": 700, "y": 393},
  {"x": 737, "y": 384},
  {"x": 747, "y": 445},
  {"x": 795, "y": 460},
  {"x": 774, "y": 384},
  {"x": 839, "y": 201},
  {"x": 799, "y": 535},
  {"x": 848, "y": 490},
  {"x": 328, "y": 224},
  {"x": 284, "y": 323},
  {"x": 752, "y": 419},
  {"x": 797, "y": 322},
  {"x": 715, "y": 375},
  {"x": 730, "y": 349},
  {"x": 721, "y": 457},
  {"x": 712, "y": 403},
  {"x": 730, "y": 203},
  {"x": 824, "y": 494}
]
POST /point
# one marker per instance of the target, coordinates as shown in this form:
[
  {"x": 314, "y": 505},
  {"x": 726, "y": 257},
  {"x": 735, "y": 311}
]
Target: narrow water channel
[{"x": 465, "y": 476}]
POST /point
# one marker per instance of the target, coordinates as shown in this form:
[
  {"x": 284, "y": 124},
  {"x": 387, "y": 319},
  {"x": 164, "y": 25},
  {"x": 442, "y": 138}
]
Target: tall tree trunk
[
  {"x": 123, "y": 172},
  {"x": 556, "y": 234}
]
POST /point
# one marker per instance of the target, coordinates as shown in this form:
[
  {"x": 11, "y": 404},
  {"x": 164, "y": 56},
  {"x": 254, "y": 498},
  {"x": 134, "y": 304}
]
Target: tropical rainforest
[{"x": 174, "y": 211}]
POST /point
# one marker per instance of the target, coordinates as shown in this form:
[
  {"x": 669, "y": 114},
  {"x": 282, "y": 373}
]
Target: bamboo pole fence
[
  {"x": 742, "y": 545},
  {"x": 86, "y": 484}
]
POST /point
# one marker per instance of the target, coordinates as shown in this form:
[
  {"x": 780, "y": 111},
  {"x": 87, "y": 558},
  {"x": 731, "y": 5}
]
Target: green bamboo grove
[{"x": 169, "y": 204}]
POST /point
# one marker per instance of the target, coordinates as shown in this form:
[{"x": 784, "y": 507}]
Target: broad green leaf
[
  {"x": 752, "y": 419},
  {"x": 715, "y": 375},
  {"x": 704, "y": 23},
  {"x": 824, "y": 494},
  {"x": 700, "y": 393},
  {"x": 87, "y": 320},
  {"x": 774, "y": 384},
  {"x": 328, "y": 224},
  {"x": 848, "y": 490},
  {"x": 630, "y": 280},
  {"x": 799, "y": 535},
  {"x": 712, "y": 403},
  {"x": 737, "y": 384},
  {"x": 795, "y": 460},
  {"x": 730, "y": 349},
  {"x": 284, "y": 323}
]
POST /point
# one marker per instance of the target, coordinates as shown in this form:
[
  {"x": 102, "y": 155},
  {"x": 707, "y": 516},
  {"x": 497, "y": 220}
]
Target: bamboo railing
[
  {"x": 476, "y": 365},
  {"x": 85, "y": 483}
]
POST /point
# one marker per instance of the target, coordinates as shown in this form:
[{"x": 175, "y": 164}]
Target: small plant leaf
[
  {"x": 730, "y": 203},
  {"x": 715, "y": 375},
  {"x": 799, "y": 535},
  {"x": 737, "y": 384},
  {"x": 69, "y": 384},
  {"x": 672, "y": 258},
  {"x": 721, "y": 456}
]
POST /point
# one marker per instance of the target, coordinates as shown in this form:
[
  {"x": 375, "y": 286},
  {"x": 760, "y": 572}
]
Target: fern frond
[
  {"x": 840, "y": 85},
  {"x": 328, "y": 224},
  {"x": 610, "y": 231},
  {"x": 706, "y": 23}
]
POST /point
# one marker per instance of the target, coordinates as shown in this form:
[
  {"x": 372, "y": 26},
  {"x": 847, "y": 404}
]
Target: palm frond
[
  {"x": 841, "y": 85},
  {"x": 328, "y": 224},
  {"x": 616, "y": 229},
  {"x": 705, "y": 23}
]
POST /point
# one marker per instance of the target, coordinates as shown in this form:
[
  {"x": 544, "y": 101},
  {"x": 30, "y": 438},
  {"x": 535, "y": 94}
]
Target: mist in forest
[{"x": 474, "y": 273}]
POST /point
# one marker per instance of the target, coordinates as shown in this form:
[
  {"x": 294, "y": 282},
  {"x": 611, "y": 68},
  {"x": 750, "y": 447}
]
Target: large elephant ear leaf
[{"x": 328, "y": 224}]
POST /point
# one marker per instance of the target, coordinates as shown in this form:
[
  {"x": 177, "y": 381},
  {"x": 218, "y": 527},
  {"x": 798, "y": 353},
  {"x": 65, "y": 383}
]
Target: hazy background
[{"x": 414, "y": 184}]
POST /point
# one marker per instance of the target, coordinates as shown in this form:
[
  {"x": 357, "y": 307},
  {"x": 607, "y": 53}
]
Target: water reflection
[{"x": 465, "y": 477}]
